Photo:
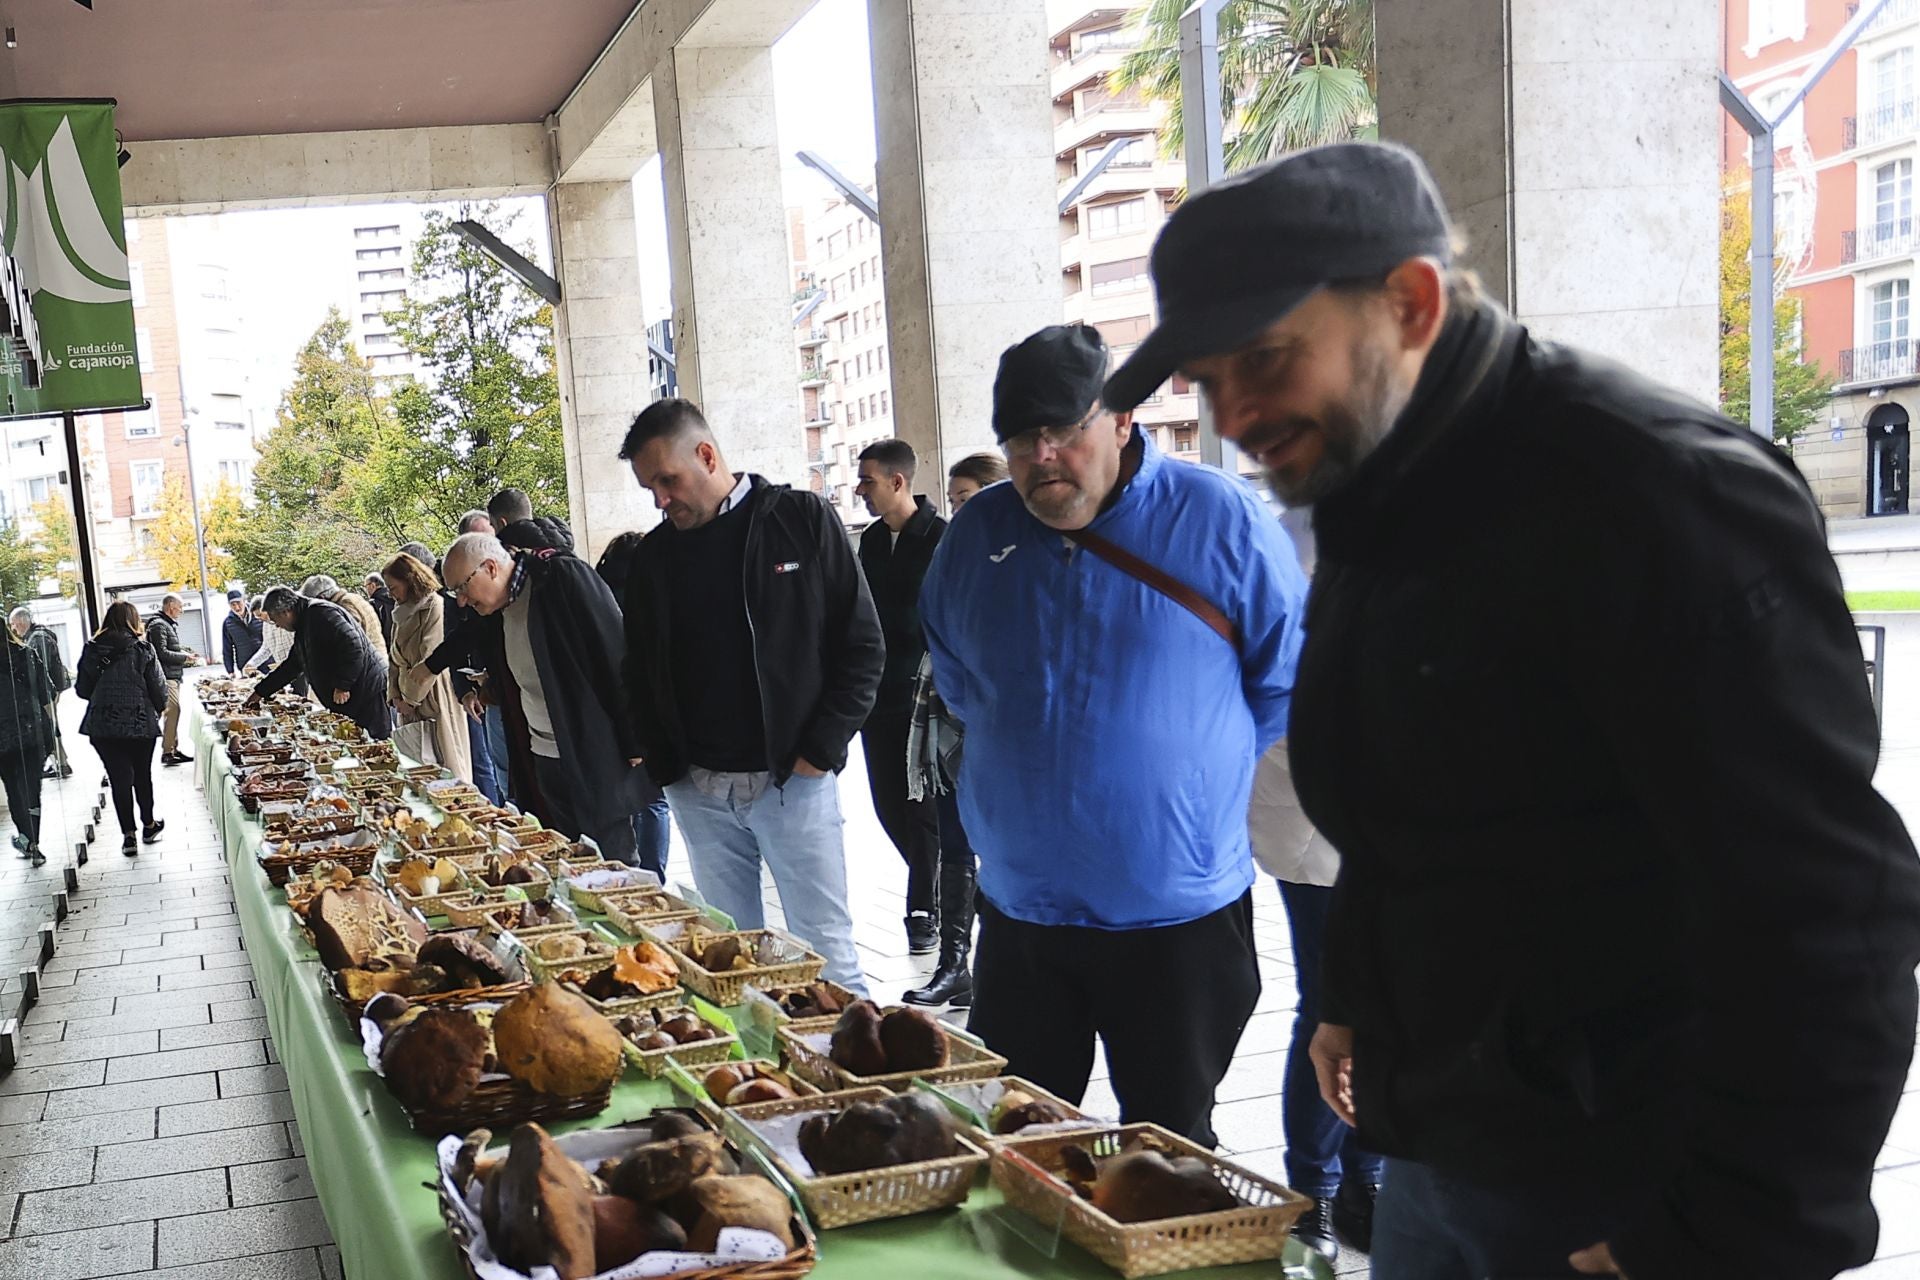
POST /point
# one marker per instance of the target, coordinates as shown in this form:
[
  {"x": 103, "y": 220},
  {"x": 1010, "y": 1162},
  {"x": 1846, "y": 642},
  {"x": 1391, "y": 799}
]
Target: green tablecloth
[{"x": 374, "y": 1174}]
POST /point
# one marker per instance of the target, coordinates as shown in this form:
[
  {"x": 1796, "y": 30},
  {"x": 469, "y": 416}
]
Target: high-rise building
[
  {"x": 840, "y": 327},
  {"x": 1844, "y": 228},
  {"x": 381, "y": 262},
  {"x": 1108, "y": 228}
]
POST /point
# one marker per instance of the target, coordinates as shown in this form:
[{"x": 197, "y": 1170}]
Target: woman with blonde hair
[
  {"x": 119, "y": 676},
  {"x": 419, "y": 697}
]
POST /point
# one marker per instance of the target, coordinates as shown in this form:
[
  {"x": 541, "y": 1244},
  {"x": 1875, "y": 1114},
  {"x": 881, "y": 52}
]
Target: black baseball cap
[
  {"x": 1048, "y": 379},
  {"x": 1241, "y": 255}
]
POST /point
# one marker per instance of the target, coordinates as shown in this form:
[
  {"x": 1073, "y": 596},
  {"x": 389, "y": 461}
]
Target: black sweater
[{"x": 714, "y": 683}]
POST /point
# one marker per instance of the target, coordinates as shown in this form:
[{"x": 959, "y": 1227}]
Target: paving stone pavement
[{"x": 148, "y": 1130}]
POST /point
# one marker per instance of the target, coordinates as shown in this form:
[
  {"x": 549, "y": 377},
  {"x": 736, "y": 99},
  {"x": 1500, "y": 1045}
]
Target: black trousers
[
  {"x": 563, "y": 808},
  {"x": 912, "y": 825},
  {"x": 20, "y": 772},
  {"x": 129, "y": 763},
  {"x": 1169, "y": 1004}
]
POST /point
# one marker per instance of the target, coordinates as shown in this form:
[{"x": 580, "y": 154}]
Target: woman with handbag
[
  {"x": 433, "y": 726},
  {"x": 119, "y": 676}
]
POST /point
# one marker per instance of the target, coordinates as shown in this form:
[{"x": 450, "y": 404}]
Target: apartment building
[
  {"x": 380, "y": 265},
  {"x": 840, "y": 328}
]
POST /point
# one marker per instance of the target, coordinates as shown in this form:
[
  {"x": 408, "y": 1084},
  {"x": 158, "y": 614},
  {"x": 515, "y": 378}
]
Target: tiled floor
[{"x": 148, "y": 1129}]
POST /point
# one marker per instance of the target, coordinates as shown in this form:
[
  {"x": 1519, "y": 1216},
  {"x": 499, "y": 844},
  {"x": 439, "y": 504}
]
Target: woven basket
[
  {"x": 498, "y": 919},
  {"x": 775, "y": 993},
  {"x": 475, "y": 849},
  {"x": 965, "y": 1061},
  {"x": 501, "y": 1102},
  {"x": 667, "y": 999},
  {"x": 701, "y": 1053},
  {"x": 593, "y": 899},
  {"x": 252, "y": 800},
  {"x": 353, "y": 1009},
  {"x": 536, "y": 889},
  {"x": 540, "y": 842},
  {"x": 1026, "y": 1169},
  {"x": 428, "y": 904},
  {"x": 546, "y": 970},
  {"x": 843, "y": 1199},
  {"x": 282, "y": 867},
  {"x": 727, "y": 989},
  {"x": 988, "y": 1139},
  {"x": 690, "y": 1086},
  {"x": 630, "y": 909}
]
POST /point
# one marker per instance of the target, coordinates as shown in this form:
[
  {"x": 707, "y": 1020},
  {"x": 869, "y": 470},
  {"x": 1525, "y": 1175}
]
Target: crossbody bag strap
[{"x": 1163, "y": 582}]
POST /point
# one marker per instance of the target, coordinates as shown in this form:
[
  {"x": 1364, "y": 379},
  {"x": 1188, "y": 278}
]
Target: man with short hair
[
  {"x": 513, "y": 522},
  {"x": 331, "y": 649},
  {"x": 753, "y": 653},
  {"x": 894, "y": 553},
  {"x": 547, "y": 634},
  {"x": 240, "y": 631},
  {"x": 475, "y": 521},
  {"x": 1117, "y": 632},
  {"x": 163, "y": 633},
  {"x": 1619, "y": 968},
  {"x": 383, "y": 604},
  {"x": 42, "y": 641}
]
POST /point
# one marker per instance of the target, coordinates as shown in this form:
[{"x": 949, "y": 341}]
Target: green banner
[{"x": 66, "y": 245}]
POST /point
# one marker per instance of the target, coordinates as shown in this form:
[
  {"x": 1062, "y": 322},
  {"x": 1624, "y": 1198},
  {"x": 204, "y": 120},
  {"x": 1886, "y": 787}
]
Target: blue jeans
[
  {"x": 496, "y": 726},
  {"x": 485, "y": 777},
  {"x": 652, "y": 829},
  {"x": 1321, "y": 1149},
  {"x": 734, "y": 821},
  {"x": 1430, "y": 1226}
]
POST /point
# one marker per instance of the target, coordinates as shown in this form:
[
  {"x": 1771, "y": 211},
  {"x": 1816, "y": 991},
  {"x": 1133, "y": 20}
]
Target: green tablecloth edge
[{"x": 374, "y": 1175}]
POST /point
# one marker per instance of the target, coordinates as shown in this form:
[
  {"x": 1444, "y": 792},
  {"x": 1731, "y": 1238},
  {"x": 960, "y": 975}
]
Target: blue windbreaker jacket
[{"x": 1110, "y": 734}]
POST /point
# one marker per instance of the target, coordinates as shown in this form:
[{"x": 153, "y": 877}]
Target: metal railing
[
  {"x": 1896, "y": 11},
  {"x": 1884, "y": 124},
  {"x": 1878, "y": 362},
  {"x": 1880, "y": 240},
  {"x": 815, "y": 373}
]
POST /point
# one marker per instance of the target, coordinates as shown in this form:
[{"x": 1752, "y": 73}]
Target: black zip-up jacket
[
  {"x": 240, "y": 639},
  {"x": 816, "y": 638},
  {"x": 458, "y": 647},
  {"x": 120, "y": 678},
  {"x": 895, "y": 567},
  {"x": 165, "y": 639},
  {"x": 1582, "y": 707}
]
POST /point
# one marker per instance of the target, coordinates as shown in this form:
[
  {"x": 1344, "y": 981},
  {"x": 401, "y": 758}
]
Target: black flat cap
[
  {"x": 1048, "y": 380},
  {"x": 1241, "y": 255}
]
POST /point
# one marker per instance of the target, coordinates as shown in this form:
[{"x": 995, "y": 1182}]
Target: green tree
[
  {"x": 1801, "y": 388},
  {"x": 56, "y": 544},
  {"x": 1293, "y": 73},
  {"x": 22, "y": 566},
  {"x": 486, "y": 415}
]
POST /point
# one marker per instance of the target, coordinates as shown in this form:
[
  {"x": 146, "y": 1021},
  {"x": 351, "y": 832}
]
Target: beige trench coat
[{"x": 418, "y": 628}]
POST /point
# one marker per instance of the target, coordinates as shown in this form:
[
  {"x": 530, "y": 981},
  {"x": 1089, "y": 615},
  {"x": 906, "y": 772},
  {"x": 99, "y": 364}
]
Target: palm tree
[{"x": 1293, "y": 73}]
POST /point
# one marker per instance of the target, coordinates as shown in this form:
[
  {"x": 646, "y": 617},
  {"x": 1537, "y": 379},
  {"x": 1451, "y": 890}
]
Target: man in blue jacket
[{"x": 1118, "y": 634}]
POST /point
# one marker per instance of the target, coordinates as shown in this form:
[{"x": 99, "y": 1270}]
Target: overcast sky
[{"x": 290, "y": 265}]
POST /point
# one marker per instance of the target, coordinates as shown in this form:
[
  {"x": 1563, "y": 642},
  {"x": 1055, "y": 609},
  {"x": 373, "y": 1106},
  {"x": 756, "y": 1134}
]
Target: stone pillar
[
  {"x": 727, "y": 245},
  {"x": 969, "y": 225},
  {"x": 600, "y": 349},
  {"x": 1577, "y": 143}
]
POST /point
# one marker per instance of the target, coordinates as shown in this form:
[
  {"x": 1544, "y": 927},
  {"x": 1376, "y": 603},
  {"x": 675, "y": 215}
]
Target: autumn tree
[
  {"x": 1801, "y": 388},
  {"x": 175, "y": 550}
]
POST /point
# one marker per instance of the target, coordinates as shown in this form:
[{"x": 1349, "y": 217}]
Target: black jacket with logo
[
  {"x": 1582, "y": 707},
  {"x": 816, "y": 639},
  {"x": 895, "y": 567}
]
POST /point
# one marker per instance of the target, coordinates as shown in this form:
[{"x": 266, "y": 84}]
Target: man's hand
[
  {"x": 251, "y": 704},
  {"x": 341, "y": 697},
  {"x": 807, "y": 768},
  {"x": 634, "y": 762},
  {"x": 475, "y": 708},
  {"x": 1332, "y": 1054},
  {"x": 1596, "y": 1260}
]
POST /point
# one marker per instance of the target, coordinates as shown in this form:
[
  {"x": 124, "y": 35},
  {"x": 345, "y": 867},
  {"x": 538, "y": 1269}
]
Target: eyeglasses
[
  {"x": 460, "y": 591},
  {"x": 1027, "y": 443}
]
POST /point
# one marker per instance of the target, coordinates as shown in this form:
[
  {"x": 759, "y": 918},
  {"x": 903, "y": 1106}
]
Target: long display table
[{"x": 374, "y": 1175}]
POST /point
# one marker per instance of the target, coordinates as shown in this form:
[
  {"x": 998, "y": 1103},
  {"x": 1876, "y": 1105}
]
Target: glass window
[
  {"x": 1135, "y": 153},
  {"x": 143, "y": 343},
  {"x": 1771, "y": 20},
  {"x": 236, "y": 472},
  {"x": 1890, "y": 300},
  {"x": 36, "y": 490},
  {"x": 1124, "y": 333},
  {"x": 147, "y": 479},
  {"x": 1892, "y": 79},
  {"x": 224, "y": 425},
  {"x": 142, "y": 424},
  {"x": 1104, "y": 38},
  {"x": 1119, "y": 277},
  {"x": 1116, "y": 218},
  {"x": 1892, "y": 196},
  {"x": 883, "y": 403}
]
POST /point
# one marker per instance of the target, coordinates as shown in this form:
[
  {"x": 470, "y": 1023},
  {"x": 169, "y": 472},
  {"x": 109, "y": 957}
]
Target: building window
[
  {"x": 1890, "y": 300},
  {"x": 1892, "y": 198},
  {"x": 36, "y": 490},
  {"x": 143, "y": 343},
  {"x": 372, "y": 317},
  {"x": 1101, "y": 98},
  {"x": 1104, "y": 38},
  {"x": 1124, "y": 333},
  {"x": 1119, "y": 277},
  {"x": 1793, "y": 128},
  {"x": 142, "y": 424},
  {"x": 1134, "y": 153},
  {"x": 236, "y": 472},
  {"x": 147, "y": 479},
  {"x": 883, "y": 404},
  {"x": 1892, "y": 92},
  {"x": 385, "y": 273},
  {"x": 221, "y": 424},
  {"x": 1114, "y": 219},
  {"x": 137, "y": 281},
  {"x": 1771, "y": 20},
  {"x": 1186, "y": 438},
  {"x": 375, "y": 233},
  {"x": 375, "y": 255}
]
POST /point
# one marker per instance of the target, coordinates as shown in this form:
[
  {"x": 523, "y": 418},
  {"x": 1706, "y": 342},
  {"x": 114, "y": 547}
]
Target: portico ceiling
[{"x": 237, "y": 68}]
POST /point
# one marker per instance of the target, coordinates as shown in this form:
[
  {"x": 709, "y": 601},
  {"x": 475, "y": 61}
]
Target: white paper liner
[
  {"x": 590, "y": 1147},
  {"x": 984, "y": 1095}
]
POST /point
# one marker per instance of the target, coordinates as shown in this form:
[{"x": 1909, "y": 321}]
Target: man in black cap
[
  {"x": 1620, "y": 966},
  {"x": 1117, "y": 632}
]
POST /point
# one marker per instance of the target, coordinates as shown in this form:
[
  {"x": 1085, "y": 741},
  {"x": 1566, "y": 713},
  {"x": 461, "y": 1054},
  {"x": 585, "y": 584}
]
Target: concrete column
[
  {"x": 970, "y": 232},
  {"x": 1577, "y": 144},
  {"x": 727, "y": 245},
  {"x": 600, "y": 346}
]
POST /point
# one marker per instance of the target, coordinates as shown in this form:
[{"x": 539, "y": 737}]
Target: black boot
[
  {"x": 1353, "y": 1213},
  {"x": 1315, "y": 1229},
  {"x": 951, "y": 985}
]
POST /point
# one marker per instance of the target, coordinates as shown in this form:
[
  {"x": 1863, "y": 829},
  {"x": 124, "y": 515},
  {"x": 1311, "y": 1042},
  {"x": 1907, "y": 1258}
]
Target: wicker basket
[
  {"x": 843, "y": 1199},
  {"x": 546, "y": 970},
  {"x": 353, "y": 1009},
  {"x": 1026, "y": 1169},
  {"x": 691, "y": 1086},
  {"x": 729, "y": 988},
  {"x": 538, "y": 842},
  {"x": 965, "y": 1060},
  {"x": 632, "y": 909},
  {"x": 252, "y": 800},
  {"x": 667, "y": 999},
  {"x": 775, "y": 993},
  {"x": 282, "y": 867},
  {"x": 700, "y": 1053},
  {"x": 536, "y": 889},
  {"x": 428, "y": 904},
  {"x": 499, "y": 1102},
  {"x": 593, "y": 899},
  {"x": 475, "y": 849},
  {"x": 500, "y": 918},
  {"x": 985, "y": 1136}
]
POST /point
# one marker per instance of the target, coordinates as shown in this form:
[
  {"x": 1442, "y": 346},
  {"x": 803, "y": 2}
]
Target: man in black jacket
[
  {"x": 547, "y": 633},
  {"x": 240, "y": 632},
  {"x": 163, "y": 634},
  {"x": 383, "y": 606},
  {"x": 42, "y": 641},
  {"x": 753, "y": 653},
  {"x": 1619, "y": 970},
  {"x": 332, "y": 650},
  {"x": 894, "y": 553}
]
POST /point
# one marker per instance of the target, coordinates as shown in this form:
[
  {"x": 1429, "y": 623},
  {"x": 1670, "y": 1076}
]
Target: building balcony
[
  {"x": 1883, "y": 124},
  {"x": 1891, "y": 239},
  {"x": 815, "y": 375},
  {"x": 1894, "y": 14},
  {"x": 1102, "y": 126},
  {"x": 813, "y": 337},
  {"x": 1891, "y": 361},
  {"x": 1077, "y": 71}
]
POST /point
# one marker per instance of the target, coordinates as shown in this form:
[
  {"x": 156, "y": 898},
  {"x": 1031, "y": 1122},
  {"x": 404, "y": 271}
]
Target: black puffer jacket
[
  {"x": 25, "y": 692},
  {"x": 540, "y": 533},
  {"x": 125, "y": 690},
  {"x": 1582, "y": 708},
  {"x": 164, "y": 636}
]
